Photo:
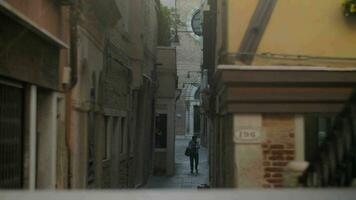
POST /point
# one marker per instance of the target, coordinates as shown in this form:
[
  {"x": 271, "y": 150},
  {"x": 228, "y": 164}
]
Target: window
[
  {"x": 122, "y": 134},
  {"x": 197, "y": 23},
  {"x": 161, "y": 131},
  {"x": 323, "y": 123},
  {"x": 316, "y": 130},
  {"x": 107, "y": 138}
]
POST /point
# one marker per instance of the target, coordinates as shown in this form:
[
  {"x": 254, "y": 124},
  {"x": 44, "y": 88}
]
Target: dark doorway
[
  {"x": 196, "y": 120},
  {"x": 161, "y": 131},
  {"x": 91, "y": 143},
  {"x": 11, "y": 136}
]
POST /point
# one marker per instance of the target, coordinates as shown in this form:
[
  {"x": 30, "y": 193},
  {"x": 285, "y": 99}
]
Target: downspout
[{"x": 74, "y": 18}]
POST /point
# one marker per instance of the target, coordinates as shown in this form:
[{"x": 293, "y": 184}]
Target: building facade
[
  {"x": 164, "y": 156},
  {"x": 77, "y": 81},
  {"x": 189, "y": 60},
  {"x": 34, "y": 58},
  {"x": 113, "y": 101},
  {"x": 276, "y": 80}
]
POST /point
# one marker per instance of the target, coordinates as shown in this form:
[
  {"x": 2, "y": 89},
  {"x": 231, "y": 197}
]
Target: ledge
[
  {"x": 283, "y": 89},
  {"x": 285, "y": 68},
  {"x": 286, "y": 75},
  {"x": 28, "y": 23}
]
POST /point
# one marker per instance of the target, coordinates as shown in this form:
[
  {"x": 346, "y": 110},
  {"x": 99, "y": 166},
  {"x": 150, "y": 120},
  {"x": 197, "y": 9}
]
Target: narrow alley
[
  {"x": 123, "y": 94},
  {"x": 182, "y": 178}
]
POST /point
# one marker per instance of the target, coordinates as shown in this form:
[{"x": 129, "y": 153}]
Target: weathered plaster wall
[
  {"x": 324, "y": 31},
  {"x": 167, "y": 72},
  {"x": 248, "y": 157},
  {"x": 313, "y": 28},
  {"x": 46, "y": 140},
  {"x": 27, "y": 57},
  {"x": 238, "y": 18},
  {"x": 164, "y": 159},
  {"x": 89, "y": 68},
  {"x": 45, "y": 13}
]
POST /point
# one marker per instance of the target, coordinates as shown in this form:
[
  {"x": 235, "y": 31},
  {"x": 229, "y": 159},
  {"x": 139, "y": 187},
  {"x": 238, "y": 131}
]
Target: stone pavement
[{"x": 182, "y": 177}]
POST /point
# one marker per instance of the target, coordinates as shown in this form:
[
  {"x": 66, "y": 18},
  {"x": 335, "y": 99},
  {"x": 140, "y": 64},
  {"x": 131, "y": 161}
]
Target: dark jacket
[{"x": 194, "y": 147}]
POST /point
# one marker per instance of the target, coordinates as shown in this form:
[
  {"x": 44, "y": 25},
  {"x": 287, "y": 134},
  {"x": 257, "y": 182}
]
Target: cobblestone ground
[{"x": 182, "y": 177}]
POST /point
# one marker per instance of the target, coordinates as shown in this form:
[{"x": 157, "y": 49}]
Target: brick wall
[{"x": 278, "y": 148}]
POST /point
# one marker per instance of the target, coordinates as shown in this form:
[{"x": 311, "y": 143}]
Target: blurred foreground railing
[
  {"x": 330, "y": 194},
  {"x": 335, "y": 163}
]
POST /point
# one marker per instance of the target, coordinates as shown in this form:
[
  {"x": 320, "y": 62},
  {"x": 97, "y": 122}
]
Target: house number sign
[{"x": 248, "y": 135}]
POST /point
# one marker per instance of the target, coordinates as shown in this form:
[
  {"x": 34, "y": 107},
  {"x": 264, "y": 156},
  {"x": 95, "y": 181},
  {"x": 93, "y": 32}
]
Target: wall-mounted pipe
[{"x": 74, "y": 18}]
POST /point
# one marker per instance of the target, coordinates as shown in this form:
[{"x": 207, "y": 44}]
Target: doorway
[{"x": 11, "y": 135}]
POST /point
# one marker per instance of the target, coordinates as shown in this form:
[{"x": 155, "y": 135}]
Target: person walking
[{"x": 194, "y": 154}]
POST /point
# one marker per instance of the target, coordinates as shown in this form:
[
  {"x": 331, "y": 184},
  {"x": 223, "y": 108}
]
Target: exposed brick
[
  {"x": 264, "y": 155},
  {"x": 280, "y": 164},
  {"x": 268, "y": 175},
  {"x": 290, "y": 146},
  {"x": 289, "y": 157},
  {"x": 274, "y": 169},
  {"x": 279, "y": 175},
  {"x": 290, "y": 152},
  {"x": 275, "y": 180},
  {"x": 291, "y": 135},
  {"x": 281, "y": 152},
  {"x": 266, "y": 163},
  {"x": 265, "y": 146},
  {"x": 276, "y": 158},
  {"x": 277, "y": 146},
  {"x": 278, "y": 152},
  {"x": 266, "y": 152}
]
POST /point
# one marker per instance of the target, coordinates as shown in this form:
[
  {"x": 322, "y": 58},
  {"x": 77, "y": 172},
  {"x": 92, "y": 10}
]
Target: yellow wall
[
  {"x": 239, "y": 13},
  {"x": 297, "y": 27}
]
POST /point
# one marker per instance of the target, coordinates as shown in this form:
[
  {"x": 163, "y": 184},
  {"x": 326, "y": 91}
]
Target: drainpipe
[{"x": 74, "y": 18}]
